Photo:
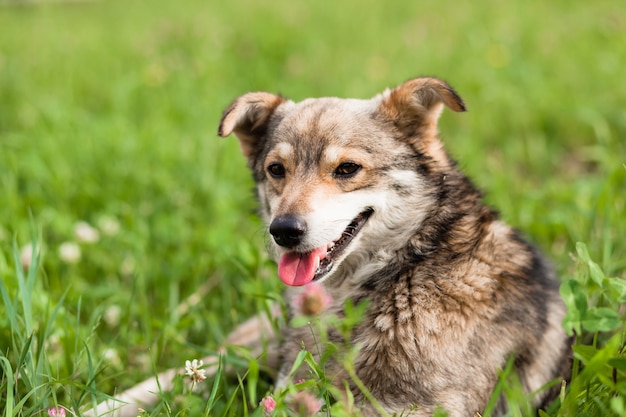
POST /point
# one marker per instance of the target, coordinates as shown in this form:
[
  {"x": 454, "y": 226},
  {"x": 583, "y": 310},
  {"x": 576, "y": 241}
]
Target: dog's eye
[
  {"x": 347, "y": 169},
  {"x": 276, "y": 170}
]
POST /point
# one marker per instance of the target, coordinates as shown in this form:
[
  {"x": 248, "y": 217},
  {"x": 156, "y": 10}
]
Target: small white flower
[
  {"x": 112, "y": 356},
  {"x": 26, "y": 255},
  {"x": 53, "y": 343},
  {"x": 112, "y": 315},
  {"x": 109, "y": 225},
  {"x": 85, "y": 233},
  {"x": 192, "y": 369},
  {"x": 69, "y": 252},
  {"x": 128, "y": 266}
]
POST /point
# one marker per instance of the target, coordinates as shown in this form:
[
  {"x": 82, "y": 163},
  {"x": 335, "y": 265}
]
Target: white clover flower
[
  {"x": 112, "y": 356},
  {"x": 26, "y": 255},
  {"x": 109, "y": 225},
  {"x": 128, "y": 266},
  {"x": 85, "y": 233},
  {"x": 112, "y": 315},
  {"x": 69, "y": 252},
  {"x": 192, "y": 369}
]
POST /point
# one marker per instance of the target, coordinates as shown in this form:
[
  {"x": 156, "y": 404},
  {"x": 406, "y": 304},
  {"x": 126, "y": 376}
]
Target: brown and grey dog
[{"x": 361, "y": 198}]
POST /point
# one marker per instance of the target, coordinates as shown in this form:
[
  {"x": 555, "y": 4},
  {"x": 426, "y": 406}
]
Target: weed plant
[{"x": 128, "y": 239}]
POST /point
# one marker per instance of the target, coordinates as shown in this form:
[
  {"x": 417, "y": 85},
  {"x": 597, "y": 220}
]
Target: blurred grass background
[{"x": 109, "y": 112}]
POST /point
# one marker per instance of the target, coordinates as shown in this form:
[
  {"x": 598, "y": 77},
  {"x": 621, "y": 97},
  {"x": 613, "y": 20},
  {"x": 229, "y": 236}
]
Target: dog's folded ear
[
  {"x": 416, "y": 105},
  {"x": 247, "y": 117}
]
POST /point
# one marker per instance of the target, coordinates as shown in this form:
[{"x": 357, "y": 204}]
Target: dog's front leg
[{"x": 255, "y": 334}]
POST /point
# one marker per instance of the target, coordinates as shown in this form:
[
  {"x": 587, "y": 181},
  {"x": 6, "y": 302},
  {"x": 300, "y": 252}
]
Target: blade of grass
[
  {"x": 10, "y": 307},
  {"x": 25, "y": 285},
  {"x": 216, "y": 382},
  {"x": 10, "y": 377}
]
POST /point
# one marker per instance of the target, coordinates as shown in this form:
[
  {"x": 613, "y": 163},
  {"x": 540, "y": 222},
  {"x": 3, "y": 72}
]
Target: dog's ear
[
  {"x": 416, "y": 105},
  {"x": 248, "y": 117}
]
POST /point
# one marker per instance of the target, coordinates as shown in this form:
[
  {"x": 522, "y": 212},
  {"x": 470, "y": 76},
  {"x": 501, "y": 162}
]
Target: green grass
[{"x": 108, "y": 110}]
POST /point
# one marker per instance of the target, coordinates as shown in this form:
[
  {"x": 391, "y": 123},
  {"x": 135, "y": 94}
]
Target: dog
[{"x": 361, "y": 199}]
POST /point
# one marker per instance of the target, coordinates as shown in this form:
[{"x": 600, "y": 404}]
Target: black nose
[{"x": 288, "y": 230}]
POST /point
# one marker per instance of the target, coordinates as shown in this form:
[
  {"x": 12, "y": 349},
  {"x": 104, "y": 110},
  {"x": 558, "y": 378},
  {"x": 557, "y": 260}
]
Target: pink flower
[
  {"x": 305, "y": 404},
  {"x": 56, "y": 412},
  {"x": 312, "y": 300},
  {"x": 28, "y": 254},
  {"x": 269, "y": 404}
]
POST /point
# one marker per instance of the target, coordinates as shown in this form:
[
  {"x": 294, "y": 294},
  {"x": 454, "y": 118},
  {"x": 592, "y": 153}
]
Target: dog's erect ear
[
  {"x": 416, "y": 105},
  {"x": 247, "y": 117}
]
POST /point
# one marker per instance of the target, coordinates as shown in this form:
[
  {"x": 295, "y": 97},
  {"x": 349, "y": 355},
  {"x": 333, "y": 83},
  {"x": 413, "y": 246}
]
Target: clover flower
[
  {"x": 112, "y": 315},
  {"x": 305, "y": 403},
  {"x": 312, "y": 300},
  {"x": 56, "y": 412},
  {"x": 269, "y": 405},
  {"x": 69, "y": 252},
  {"x": 128, "y": 266},
  {"x": 85, "y": 233},
  {"x": 192, "y": 369},
  {"x": 27, "y": 255},
  {"x": 109, "y": 225}
]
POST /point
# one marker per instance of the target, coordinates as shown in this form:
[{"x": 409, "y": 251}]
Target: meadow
[{"x": 129, "y": 241}]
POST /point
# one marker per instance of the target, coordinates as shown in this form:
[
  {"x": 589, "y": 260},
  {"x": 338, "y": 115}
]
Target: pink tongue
[{"x": 298, "y": 269}]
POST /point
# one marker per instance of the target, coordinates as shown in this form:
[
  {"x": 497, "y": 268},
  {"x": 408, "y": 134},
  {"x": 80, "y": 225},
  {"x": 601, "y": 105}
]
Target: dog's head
[{"x": 342, "y": 180}]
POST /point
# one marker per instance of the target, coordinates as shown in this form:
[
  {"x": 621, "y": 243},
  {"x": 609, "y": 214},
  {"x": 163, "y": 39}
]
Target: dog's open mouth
[{"x": 296, "y": 269}]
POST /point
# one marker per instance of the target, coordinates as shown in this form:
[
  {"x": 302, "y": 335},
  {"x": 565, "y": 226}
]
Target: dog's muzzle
[
  {"x": 296, "y": 267},
  {"x": 287, "y": 230}
]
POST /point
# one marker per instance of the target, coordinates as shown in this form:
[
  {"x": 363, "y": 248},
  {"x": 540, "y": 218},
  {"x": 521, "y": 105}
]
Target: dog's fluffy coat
[{"x": 360, "y": 197}]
